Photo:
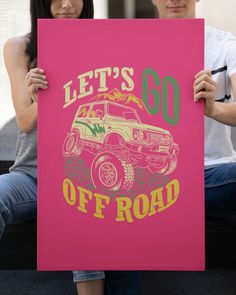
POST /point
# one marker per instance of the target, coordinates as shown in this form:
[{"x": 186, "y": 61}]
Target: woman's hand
[
  {"x": 34, "y": 80},
  {"x": 205, "y": 88}
]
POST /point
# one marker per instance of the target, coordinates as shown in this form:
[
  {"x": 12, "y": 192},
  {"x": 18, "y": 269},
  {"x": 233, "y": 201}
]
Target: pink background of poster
[{"x": 70, "y": 239}]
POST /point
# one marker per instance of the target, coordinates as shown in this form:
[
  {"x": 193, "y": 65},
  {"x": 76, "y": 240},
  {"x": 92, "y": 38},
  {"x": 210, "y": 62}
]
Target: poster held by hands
[{"x": 120, "y": 153}]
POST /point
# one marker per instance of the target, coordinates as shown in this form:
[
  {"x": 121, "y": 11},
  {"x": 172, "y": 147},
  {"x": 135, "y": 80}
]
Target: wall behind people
[
  {"x": 218, "y": 13},
  {"x": 130, "y": 9},
  {"x": 14, "y": 21}
]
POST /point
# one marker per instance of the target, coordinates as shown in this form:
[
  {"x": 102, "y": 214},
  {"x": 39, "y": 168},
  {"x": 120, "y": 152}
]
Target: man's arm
[{"x": 205, "y": 88}]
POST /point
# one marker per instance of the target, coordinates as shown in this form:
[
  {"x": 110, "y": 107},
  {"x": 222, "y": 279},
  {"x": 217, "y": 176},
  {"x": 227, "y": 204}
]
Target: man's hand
[{"x": 205, "y": 88}]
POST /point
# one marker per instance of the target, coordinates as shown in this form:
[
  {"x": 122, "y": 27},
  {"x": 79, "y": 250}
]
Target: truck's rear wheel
[{"x": 73, "y": 146}]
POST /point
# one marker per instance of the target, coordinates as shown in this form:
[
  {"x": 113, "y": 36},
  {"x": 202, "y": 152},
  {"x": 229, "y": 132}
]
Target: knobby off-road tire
[
  {"x": 73, "y": 145},
  {"x": 109, "y": 172}
]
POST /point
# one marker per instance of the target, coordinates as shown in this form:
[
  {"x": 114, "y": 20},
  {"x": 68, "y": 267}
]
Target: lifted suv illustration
[{"x": 119, "y": 142}]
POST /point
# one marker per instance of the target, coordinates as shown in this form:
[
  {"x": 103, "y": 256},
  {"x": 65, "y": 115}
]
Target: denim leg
[
  {"x": 87, "y": 275},
  {"x": 220, "y": 190},
  {"x": 18, "y": 199},
  {"x": 123, "y": 282}
]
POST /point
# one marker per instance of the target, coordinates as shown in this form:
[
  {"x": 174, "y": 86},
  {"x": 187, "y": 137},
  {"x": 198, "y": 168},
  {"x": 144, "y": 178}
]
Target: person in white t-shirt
[{"x": 217, "y": 86}]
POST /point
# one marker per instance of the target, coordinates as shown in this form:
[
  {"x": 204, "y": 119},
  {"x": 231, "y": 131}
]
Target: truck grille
[{"x": 161, "y": 139}]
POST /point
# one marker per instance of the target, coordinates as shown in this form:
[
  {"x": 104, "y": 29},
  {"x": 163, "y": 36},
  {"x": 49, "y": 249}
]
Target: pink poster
[{"x": 120, "y": 153}]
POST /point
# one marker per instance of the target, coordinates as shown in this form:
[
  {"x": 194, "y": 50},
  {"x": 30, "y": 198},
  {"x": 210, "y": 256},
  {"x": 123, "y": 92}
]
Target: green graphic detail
[
  {"x": 145, "y": 74},
  {"x": 175, "y": 119},
  {"x": 156, "y": 105},
  {"x": 96, "y": 129}
]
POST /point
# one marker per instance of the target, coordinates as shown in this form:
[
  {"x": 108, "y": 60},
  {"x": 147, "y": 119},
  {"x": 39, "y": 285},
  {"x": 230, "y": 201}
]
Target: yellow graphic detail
[
  {"x": 127, "y": 209},
  {"x": 83, "y": 112},
  {"x": 116, "y": 96}
]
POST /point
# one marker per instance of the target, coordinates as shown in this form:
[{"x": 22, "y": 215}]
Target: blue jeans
[
  {"x": 18, "y": 199},
  {"x": 87, "y": 275},
  {"x": 220, "y": 191},
  {"x": 18, "y": 203},
  {"x": 116, "y": 282}
]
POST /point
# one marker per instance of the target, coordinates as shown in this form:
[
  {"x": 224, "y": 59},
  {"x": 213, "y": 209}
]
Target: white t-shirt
[{"x": 220, "y": 57}]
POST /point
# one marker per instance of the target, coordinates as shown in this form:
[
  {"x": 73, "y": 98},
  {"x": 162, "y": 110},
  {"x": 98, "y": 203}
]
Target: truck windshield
[{"x": 123, "y": 113}]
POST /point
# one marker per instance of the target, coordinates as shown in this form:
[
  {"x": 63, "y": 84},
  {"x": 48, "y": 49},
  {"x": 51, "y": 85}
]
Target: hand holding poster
[{"x": 120, "y": 145}]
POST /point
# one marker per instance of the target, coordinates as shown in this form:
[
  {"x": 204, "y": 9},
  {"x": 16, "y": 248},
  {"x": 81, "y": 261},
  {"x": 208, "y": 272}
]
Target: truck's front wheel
[{"x": 111, "y": 173}]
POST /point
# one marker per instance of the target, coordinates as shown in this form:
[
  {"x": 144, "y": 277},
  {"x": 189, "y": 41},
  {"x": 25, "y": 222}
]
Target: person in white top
[{"x": 216, "y": 84}]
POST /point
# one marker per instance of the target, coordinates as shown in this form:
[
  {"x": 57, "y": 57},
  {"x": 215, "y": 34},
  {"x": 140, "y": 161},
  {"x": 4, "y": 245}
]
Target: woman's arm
[{"x": 24, "y": 83}]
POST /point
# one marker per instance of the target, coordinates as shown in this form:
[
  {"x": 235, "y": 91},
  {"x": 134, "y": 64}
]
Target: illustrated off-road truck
[{"x": 119, "y": 142}]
